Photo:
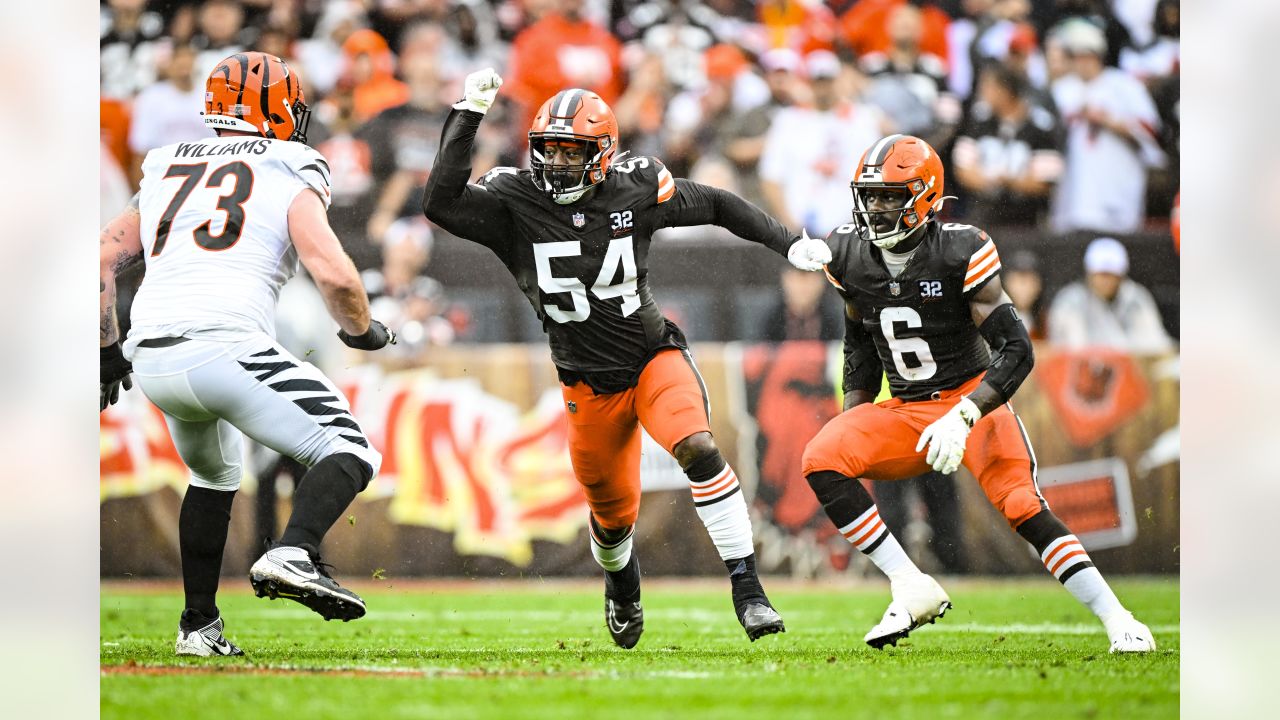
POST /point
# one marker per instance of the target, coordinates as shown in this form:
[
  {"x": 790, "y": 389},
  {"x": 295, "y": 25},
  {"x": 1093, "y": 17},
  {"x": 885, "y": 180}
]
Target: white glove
[
  {"x": 809, "y": 253},
  {"x": 481, "y": 88},
  {"x": 946, "y": 437}
]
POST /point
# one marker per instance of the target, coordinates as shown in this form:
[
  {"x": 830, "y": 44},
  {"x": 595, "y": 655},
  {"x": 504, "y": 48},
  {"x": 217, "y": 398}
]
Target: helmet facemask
[
  {"x": 890, "y": 226},
  {"x": 566, "y": 183}
]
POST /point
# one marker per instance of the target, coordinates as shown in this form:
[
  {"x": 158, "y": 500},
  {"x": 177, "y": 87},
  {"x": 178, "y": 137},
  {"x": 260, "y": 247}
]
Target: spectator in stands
[
  {"x": 370, "y": 66},
  {"x": 1025, "y": 286},
  {"x": 168, "y": 111},
  {"x": 677, "y": 32},
  {"x": 642, "y": 108},
  {"x": 321, "y": 54},
  {"x": 745, "y": 133},
  {"x": 863, "y": 29},
  {"x": 974, "y": 17},
  {"x": 562, "y": 50},
  {"x": 696, "y": 119},
  {"x": 220, "y": 32},
  {"x": 471, "y": 37},
  {"x": 130, "y": 39},
  {"x": 798, "y": 25},
  {"x": 1111, "y": 139},
  {"x": 1107, "y": 309},
  {"x": 351, "y": 162},
  {"x": 932, "y": 111},
  {"x": 802, "y": 311},
  {"x": 1099, "y": 14},
  {"x": 1160, "y": 55},
  {"x": 404, "y": 140},
  {"x": 1007, "y": 156},
  {"x": 811, "y": 153}
]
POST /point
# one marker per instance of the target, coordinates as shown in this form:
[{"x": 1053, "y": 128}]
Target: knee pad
[
  {"x": 227, "y": 481},
  {"x": 706, "y": 465}
]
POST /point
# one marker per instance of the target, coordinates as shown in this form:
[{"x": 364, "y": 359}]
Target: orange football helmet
[
  {"x": 257, "y": 93},
  {"x": 909, "y": 165},
  {"x": 579, "y": 117}
]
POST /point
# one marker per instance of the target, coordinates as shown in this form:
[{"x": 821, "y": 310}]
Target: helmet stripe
[
  {"x": 263, "y": 93},
  {"x": 881, "y": 149},
  {"x": 244, "y": 75}
]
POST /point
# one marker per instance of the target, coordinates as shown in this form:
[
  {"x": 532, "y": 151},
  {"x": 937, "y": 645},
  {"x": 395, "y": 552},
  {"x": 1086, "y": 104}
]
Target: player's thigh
[
  {"x": 671, "y": 399},
  {"x": 1000, "y": 456},
  {"x": 212, "y": 449},
  {"x": 281, "y": 402},
  {"x": 869, "y": 441},
  {"x": 604, "y": 447}
]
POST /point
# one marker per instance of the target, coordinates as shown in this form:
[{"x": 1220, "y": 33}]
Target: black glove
[
  {"x": 113, "y": 370},
  {"x": 375, "y": 338}
]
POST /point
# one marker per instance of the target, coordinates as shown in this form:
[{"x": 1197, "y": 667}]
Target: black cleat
[
  {"x": 296, "y": 573},
  {"x": 623, "y": 614},
  {"x": 758, "y": 619},
  {"x": 625, "y": 621}
]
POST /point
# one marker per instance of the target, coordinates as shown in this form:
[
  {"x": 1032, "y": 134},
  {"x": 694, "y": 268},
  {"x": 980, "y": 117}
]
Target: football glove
[
  {"x": 113, "y": 371},
  {"x": 809, "y": 253},
  {"x": 481, "y": 87},
  {"x": 375, "y": 338},
  {"x": 947, "y": 436}
]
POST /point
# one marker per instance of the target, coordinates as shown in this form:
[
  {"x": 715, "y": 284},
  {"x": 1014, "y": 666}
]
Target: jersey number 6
[
  {"x": 620, "y": 252},
  {"x": 900, "y": 346}
]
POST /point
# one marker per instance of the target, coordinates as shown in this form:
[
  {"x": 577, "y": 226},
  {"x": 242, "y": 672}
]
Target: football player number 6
[
  {"x": 901, "y": 346},
  {"x": 620, "y": 252}
]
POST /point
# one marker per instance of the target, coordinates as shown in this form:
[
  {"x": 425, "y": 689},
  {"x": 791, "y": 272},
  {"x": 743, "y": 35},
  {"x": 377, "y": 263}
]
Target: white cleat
[
  {"x": 297, "y": 574},
  {"x": 1128, "y": 635},
  {"x": 917, "y": 600},
  {"x": 202, "y": 637}
]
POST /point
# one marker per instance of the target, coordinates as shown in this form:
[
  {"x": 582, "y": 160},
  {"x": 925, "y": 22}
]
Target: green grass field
[{"x": 1009, "y": 649}]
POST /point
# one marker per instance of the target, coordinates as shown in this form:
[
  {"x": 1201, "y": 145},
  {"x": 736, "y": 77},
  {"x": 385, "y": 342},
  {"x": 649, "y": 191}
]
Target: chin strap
[{"x": 567, "y": 198}]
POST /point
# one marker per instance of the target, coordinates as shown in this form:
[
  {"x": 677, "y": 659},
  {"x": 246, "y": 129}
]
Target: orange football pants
[
  {"x": 878, "y": 441},
  {"x": 604, "y": 431}
]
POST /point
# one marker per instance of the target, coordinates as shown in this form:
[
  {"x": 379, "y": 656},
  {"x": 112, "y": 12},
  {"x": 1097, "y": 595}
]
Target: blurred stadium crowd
[{"x": 1058, "y": 121}]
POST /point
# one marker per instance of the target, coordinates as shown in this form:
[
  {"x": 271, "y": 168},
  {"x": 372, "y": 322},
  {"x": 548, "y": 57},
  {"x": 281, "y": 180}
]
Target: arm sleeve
[
  {"x": 698, "y": 204},
  {"x": 468, "y": 211},
  {"x": 862, "y": 367},
  {"x": 1011, "y": 354}
]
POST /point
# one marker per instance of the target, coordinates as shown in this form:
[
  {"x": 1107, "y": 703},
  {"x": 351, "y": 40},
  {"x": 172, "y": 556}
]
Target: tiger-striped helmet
[{"x": 257, "y": 93}]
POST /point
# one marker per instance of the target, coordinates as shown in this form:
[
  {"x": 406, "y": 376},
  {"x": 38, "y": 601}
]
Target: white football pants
[{"x": 208, "y": 389}]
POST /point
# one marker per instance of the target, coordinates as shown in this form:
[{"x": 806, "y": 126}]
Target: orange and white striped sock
[
  {"x": 871, "y": 536},
  {"x": 1068, "y": 562},
  {"x": 717, "y": 497},
  {"x": 853, "y": 512}
]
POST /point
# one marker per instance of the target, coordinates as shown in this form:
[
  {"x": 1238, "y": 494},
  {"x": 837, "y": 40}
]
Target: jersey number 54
[{"x": 621, "y": 252}]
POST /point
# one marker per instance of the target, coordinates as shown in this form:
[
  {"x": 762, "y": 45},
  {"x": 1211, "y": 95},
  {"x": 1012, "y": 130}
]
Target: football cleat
[
  {"x": 758, "y": 619},
  {"x": 200, "y": 636},
  {"x": 625, "y": 621},
  {"x": 917, "y": 600},
  {"x": 297, "y": 574},
  {"x": 1128, "y": 635}
]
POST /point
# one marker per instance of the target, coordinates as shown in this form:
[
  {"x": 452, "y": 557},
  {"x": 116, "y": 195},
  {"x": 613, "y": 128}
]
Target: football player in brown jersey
[
  {"x": 925, "y": 306},
  {"x": 574, "y": 230}
]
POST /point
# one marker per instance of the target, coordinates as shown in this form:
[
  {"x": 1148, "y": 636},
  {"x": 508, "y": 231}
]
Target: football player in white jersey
[{"x": 221, "y": 224}]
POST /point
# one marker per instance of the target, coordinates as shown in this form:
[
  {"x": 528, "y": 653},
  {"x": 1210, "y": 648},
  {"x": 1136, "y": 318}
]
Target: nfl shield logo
[
  {"x": 579, "y": 219},
  {"x": 895, "y": 289}
]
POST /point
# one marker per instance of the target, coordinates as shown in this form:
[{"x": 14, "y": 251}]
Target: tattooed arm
[{"x": 119, "y": 246}]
